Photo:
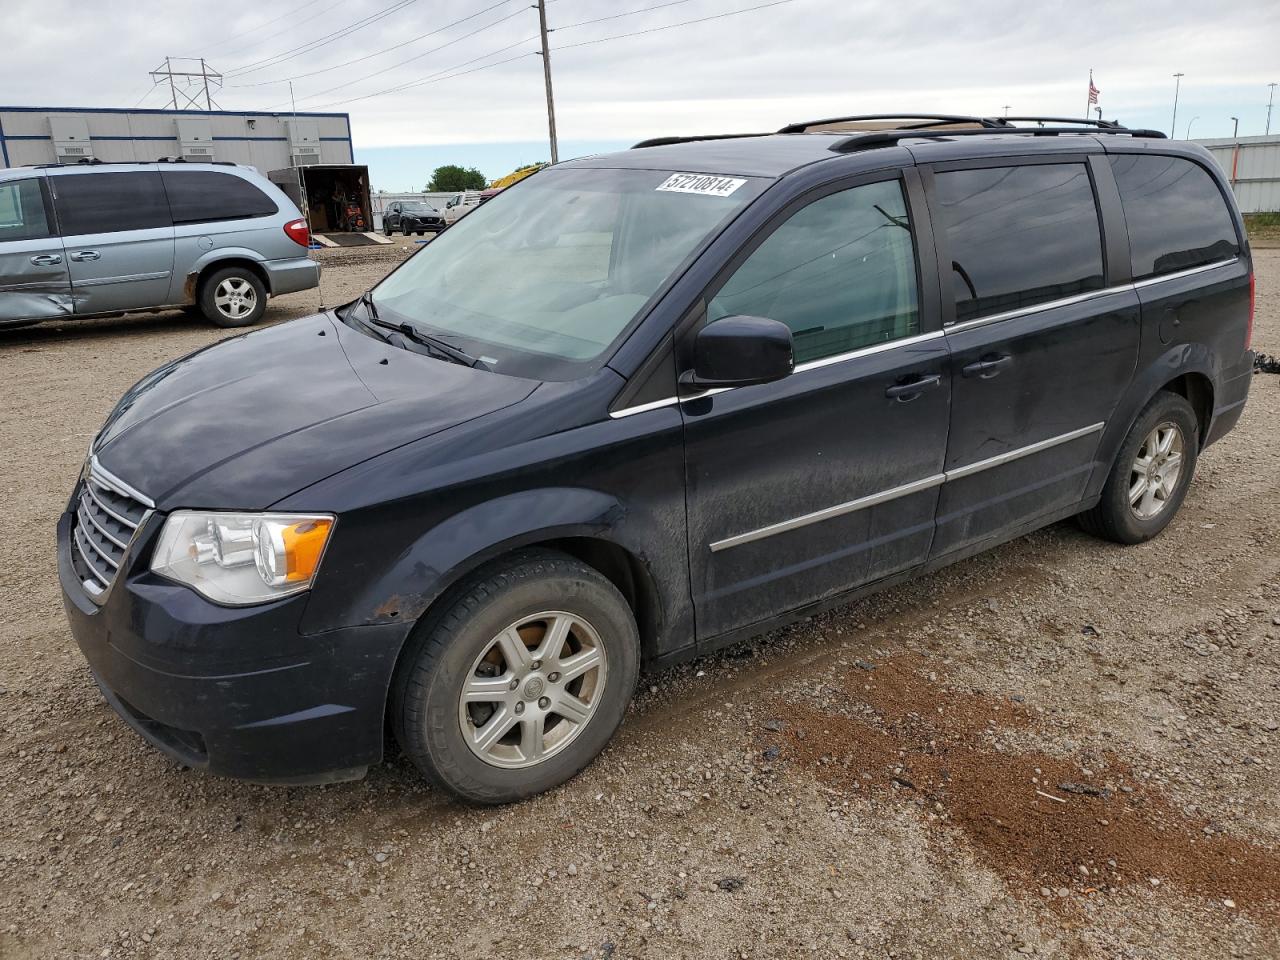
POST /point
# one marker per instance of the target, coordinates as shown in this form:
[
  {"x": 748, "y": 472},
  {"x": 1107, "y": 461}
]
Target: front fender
[
  {"x": 1176, "y": 361},
  {"x": 407, "y": 586}
]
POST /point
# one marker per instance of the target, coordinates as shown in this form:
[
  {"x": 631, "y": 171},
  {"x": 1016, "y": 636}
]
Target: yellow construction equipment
[{"x": 515, "y": 176}]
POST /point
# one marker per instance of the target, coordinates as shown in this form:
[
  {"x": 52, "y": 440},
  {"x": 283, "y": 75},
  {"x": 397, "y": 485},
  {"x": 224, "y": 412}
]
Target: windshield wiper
[{"x": 437, "y": 347}]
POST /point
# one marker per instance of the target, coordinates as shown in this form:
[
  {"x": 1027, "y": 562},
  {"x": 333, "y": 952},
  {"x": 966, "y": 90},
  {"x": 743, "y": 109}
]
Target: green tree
[{"x": 452, "y": 177}]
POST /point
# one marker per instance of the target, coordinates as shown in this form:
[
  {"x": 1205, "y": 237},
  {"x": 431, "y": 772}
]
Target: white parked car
[{"x": 460, "y": 206}]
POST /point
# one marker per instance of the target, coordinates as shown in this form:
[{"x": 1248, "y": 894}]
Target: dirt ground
[{"x": 1062, "y": 748}]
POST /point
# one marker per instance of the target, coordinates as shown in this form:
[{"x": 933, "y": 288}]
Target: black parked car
[
  {"x": 411, "y": 216},
  {"x": 654, "y": 401}
]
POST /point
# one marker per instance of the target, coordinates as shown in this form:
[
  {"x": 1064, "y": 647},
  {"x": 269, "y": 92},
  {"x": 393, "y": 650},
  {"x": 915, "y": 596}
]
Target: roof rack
[
  {"x": 924, "y": 125},
  {"x": 1104, "y": 124},
  {"x": 881, "y": 138},
  {"x": 667, "y": 141},
  {"x": 930, "y": 120}
]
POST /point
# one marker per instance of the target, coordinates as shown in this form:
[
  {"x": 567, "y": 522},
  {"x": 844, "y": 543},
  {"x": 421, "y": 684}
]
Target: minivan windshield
[{"x": 543, "y": 279}]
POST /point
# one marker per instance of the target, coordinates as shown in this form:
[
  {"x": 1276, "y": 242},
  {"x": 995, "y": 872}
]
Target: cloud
[{"x": 755, "y": 71}]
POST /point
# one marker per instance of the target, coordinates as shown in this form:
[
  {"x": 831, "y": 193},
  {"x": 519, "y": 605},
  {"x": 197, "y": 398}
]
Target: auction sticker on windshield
[{"x": 701, "y": 183}]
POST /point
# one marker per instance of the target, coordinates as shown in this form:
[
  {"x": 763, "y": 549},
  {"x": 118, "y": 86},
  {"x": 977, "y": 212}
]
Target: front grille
[{"x": 107, "y": 517}]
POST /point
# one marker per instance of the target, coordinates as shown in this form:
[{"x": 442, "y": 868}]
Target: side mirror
[{"x": 738, "y": 351}]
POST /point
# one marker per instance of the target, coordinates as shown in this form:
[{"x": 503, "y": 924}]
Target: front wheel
[
  {"x": 520, "y": 681},
  {"x": 1151, "y": 474}
]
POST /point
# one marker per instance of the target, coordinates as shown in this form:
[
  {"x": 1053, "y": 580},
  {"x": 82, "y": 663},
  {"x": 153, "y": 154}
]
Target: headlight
[{"x": 242, "y": 558}]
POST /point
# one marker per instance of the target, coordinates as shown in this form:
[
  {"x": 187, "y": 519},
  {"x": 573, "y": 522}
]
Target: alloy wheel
[
  {"x": 235, "y": 298},
  {"x": 533, "y": 689},
  {"x": 1154, "y": 476}
]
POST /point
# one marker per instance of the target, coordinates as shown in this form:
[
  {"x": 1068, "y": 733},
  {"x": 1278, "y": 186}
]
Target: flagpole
[{"x": 1088, "y": 96}]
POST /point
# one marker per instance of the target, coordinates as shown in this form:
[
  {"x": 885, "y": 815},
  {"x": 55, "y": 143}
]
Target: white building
[{"x": 267, "y": 141}]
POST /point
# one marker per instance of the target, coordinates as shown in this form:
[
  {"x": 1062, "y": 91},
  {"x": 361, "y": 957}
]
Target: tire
[
  {"x": 1118, "y": 516},
  {"x": 387, "y": 231},
  {"x": 233, "y": 297},
  {"x": 465, "y": 643}
]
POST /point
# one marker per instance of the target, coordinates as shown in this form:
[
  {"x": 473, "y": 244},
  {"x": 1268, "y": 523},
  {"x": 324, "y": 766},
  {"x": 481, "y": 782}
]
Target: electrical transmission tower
[{"x": 193, "y": 87}]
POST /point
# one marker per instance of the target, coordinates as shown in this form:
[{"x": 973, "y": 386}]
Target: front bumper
[
  {"x": 416, "y": 225},
  {"x": 292, "y": 275},
  {"x": 235, "y": 691}
]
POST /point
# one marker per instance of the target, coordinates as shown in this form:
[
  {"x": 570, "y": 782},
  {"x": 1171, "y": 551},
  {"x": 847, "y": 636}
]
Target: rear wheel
[
  {"x": 233, "y": 297},
  {"x": 520, "y": 681},
  {"x": 1151, "y": 474}
]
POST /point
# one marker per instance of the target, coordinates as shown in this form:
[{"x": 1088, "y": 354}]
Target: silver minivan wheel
[
  {"x": 232, "y": 297},
  {"x": 235, "y": 298}
]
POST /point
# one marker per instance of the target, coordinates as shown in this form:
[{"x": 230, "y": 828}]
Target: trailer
[{"x": 334, "y": 197}]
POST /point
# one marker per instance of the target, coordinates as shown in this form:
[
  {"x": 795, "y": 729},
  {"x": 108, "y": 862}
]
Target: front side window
[
  {"x": 1176, "y": 215},
  {"x": 203, "y": 196},
  {"x": 1019, "y": 236},
  {"x": 542, "y": 281},
  {"x": 841, "y": 273},
  {"x": 110, "y": 202},
  {"x": 22, "y": 213}
]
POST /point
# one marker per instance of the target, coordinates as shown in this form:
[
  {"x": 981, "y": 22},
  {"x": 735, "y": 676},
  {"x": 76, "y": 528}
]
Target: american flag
[{"x": 1093, "y": 91}]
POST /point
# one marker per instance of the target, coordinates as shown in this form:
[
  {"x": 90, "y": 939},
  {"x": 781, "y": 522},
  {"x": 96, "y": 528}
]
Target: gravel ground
[{"x": 1061, "y": 748}]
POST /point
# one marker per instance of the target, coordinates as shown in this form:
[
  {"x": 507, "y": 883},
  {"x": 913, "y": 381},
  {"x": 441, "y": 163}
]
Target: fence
[{"x": 1252, "y": 165}]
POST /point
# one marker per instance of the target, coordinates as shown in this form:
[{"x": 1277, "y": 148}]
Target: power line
[
  {"x": 311, "y": 45},
  {"x": 447, "y": 26},
  {"x": 434, "y": 77},
  {"x": 245, "y": 33},
  {"x": 348, "y": 83},
  {"x": 441, "y": 74},
  {"x": 405, "y": 43},
  {"x": 616, "y": 16},
  {"x": 671, "y": 26}
]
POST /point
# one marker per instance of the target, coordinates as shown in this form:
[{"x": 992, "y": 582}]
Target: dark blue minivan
[{"x": 636, "y": 407}]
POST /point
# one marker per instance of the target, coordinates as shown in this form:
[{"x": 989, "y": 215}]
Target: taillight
[{"x": 298, "y": 232}]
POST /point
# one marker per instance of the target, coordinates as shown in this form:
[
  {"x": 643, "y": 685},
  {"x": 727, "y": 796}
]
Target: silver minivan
[{"x": 88, "y": 240}]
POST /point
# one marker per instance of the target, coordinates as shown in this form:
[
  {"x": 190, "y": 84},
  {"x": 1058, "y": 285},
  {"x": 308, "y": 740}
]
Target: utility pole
[
  {"x": 1173, "y": 124},
  {"x": 546, "y": 73},
  {"x": 1006, "y": 109},
  {"x": 1269, "y": 101}
]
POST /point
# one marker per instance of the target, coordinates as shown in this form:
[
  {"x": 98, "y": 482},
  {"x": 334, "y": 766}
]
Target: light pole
[
  {"x": 1235, "y": 129},
  {"x": 1189, "y": 122},
  {"x": 1177, "y": 85},
  {"x": 1270, "y": 98}
]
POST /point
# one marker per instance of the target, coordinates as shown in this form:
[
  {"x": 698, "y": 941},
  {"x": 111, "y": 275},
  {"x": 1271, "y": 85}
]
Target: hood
[{"x": 246, "y": 422}]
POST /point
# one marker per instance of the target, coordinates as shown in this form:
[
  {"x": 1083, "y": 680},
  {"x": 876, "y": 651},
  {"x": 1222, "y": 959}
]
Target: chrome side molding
[{"x": 893, "y": 493}]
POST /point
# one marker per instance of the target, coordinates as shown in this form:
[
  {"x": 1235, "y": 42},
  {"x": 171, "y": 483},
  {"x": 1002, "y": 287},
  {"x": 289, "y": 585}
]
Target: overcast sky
[{"x": 753, "y": 71}]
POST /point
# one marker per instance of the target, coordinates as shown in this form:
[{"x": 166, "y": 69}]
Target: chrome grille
[{"x": 107, "y": 517}]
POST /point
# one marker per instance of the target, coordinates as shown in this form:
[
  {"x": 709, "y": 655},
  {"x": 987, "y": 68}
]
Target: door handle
[
  {"x": 83, "y": 255},
  {"x": 46, "y": 260},
  {"x": 987, "y": 367},
  {"x": 902, "y": 392}
]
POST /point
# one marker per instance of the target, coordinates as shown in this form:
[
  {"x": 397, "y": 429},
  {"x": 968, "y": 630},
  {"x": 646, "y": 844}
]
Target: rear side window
[
  {"x": 22, "y": 213},
  {"x": 1176, "y": 214},
  {"x": 1019, "y": 236},
  {"x": 203, "y": 196},
  {"x": 110, "y": 202},
  {"x": 841, "y": 273}
]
